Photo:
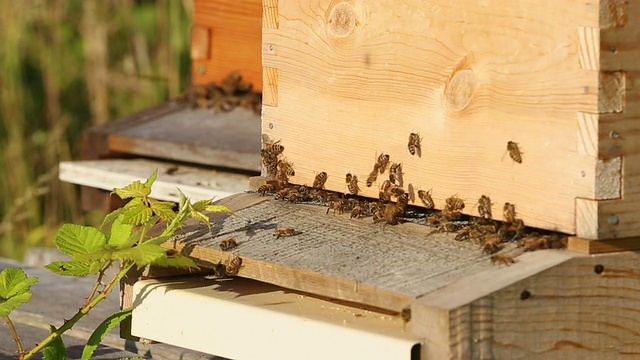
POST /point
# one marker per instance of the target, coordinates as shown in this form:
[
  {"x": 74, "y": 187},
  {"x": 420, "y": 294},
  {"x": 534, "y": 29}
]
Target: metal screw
[
  {"x": 613, "y": 220},
  {"x": 598, "y": 269},
  {"x": 614, "y": 50},
  {"x": 270, "y": 125},
  {"x": 583, "y": 173},
  {"x": 615, "y": 135},
  {"x": 271, "y": 47},
  {"x": 202, "y": 69},
  {"x": 586, "y": 89},
  {"x": 525, "y": 295}
]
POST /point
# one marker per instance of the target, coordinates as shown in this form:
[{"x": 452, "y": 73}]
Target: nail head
[
  {"x": 613, "y": 219},
  {"x": 598, "y": 269},
  {"x": 525, "y": 295}
]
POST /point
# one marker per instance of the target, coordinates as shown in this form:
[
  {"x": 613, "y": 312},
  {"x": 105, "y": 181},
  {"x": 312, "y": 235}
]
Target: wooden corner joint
[
  {"x": 611, "y": 91},
  {"x": 269, "y": 86},
  {"x": 613, "y": 13}
]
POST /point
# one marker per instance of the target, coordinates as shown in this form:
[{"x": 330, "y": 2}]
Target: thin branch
[
  {"x": 98, "y": 282},
  {"x": 16, "y": 338},
  {"x": 79, "y": 315}
]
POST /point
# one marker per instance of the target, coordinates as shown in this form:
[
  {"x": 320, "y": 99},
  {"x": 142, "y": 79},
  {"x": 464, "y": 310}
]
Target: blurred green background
[{"x": 66, "y": 65}]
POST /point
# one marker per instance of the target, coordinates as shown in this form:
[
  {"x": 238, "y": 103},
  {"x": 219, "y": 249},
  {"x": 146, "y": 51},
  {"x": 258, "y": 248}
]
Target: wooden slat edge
[{"x": 586, "y": 246}]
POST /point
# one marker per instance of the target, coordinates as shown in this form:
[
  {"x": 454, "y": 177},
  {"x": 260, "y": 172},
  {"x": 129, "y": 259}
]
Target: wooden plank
[
  {"x": 581, "y": 307},
  {"x": 334, "y": 256},
  {"x": 199, "y": 136},
  {"x": 195, "y": 183},
  {"x": 586, "y": 246},
  {"x": 235, "y": 41},
  {"x": 465, "y": 96}
]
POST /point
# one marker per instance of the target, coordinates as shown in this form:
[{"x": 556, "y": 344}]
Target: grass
[{"x": 66, "y": 65}]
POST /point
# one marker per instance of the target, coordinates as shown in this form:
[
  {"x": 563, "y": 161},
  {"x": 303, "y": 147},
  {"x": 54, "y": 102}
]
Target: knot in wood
[
  {"x": 460, "y": 90},
  {"x": 342, "y": 19}
]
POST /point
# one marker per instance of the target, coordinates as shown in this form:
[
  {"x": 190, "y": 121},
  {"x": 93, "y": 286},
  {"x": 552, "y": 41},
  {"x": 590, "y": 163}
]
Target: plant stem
[
  {"x": 84, "y": 310},
  {"x": 98, "y": 282},
  {"x": 16, "y": 338}
]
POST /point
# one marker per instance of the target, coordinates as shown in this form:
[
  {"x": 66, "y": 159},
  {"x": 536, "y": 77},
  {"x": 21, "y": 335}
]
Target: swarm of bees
[
  {"x": 491, "y": 236},
  {"x": 231, "y": 93}
]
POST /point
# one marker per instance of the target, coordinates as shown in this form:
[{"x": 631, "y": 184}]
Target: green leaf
[
  {"x": 164, "y": 210},
  {"x": 134, "y": 190},
  {"x": 75, "y": 268},
  {"x": 13, "y": 281},
  {"x": 137, "y": 214},
  {"x": 56, "y": 349},
  {"x": 158, "y": 240},
  {"x": 8, "y": 305},
  {"x": 98, "y": 334},
  {"x": 149, "y": 183},
  {"x": 178, "y": 261},
  {"x": 202, "y": 204},
  {"x": 74, "y": 239},
  {"x": 112, "y": 216},
  {"x": 218, "y": 209},
  {"x": 145, "y": 254},
  {"x": 120, "y": 233},
  {"x": 201, "y": 217}
]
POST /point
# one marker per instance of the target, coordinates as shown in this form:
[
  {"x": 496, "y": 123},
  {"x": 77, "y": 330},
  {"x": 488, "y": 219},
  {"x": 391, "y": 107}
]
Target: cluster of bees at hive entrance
[
  {"x": 500, "y": 240},
  {"x": 232, "y": 93}
]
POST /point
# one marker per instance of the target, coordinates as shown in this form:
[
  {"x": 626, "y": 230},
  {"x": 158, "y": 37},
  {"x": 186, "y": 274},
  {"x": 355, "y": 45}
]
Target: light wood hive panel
[{"x": 350, "y": 80}]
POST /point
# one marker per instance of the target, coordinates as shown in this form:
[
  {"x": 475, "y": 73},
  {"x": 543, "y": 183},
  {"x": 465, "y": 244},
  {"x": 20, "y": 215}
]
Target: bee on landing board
[
  {"x": 382, "y": 163},
  {"x": 269, "y": 161},
  {"x": 266, "y": 188},
  {"x": 373, "y": 176},
  {"x": 425, "y": 197},
  {"x": 352, "y": 184},
  {"x": 514, "y": 152},
  {"x": 233, "y": 266},
  {"x": 414, "y": 144},
  {"x": 228, "y": 244},
  {"x": 392, "y": 214},
  {"x": 318, "y": 182},
  {"x": 284, "y": 232},
  {"x": 502, "y": 259},
  {"x": 454, "y": 203},
  {"x": 484, "y": 207}
]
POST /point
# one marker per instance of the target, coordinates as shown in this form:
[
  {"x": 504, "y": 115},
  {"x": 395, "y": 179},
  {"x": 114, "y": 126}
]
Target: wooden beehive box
[
  {"x": 226, "y": 37},
  {"x": 348, "y": 80}
]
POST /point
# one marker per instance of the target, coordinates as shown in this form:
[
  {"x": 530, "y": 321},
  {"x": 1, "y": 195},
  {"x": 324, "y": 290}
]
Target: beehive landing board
[
  {"x": 348, "y": 259},
  {"x": 349, "y": 80},
  {"x": 199, "y": 136}
]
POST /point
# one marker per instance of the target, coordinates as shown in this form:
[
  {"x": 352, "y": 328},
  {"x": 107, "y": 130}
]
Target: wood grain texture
[
  {"x": 334, "y": 256},
  {"x": 199, "y": 136},
  {"x": 200, "y": 42},
  {"x": 270, "y": 88},
  {"x": 235, "y": 41},
  {"x": 270, "y": 14},
  {"x": 569, "y": 310},
  {"x": 354, "y": 79},
  {"x": 611, "y": 92},
  {"x": 586, "y": 246}
]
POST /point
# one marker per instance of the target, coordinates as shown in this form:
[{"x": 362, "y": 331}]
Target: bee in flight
[{"x": 414, "y": 144}]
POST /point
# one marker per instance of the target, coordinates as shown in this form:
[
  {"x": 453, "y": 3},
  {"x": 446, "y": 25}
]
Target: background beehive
[{"x": 346, "y": 81}]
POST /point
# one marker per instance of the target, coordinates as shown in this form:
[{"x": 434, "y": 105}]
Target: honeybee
[
  {"x": 381, "y": 164},
  {"x": 395, "y": 173},
  {"x": 491, "y": 244},
  {"x": 228, "y": 244},
  {"x": 463, "y": 234},
  {"x": 377, "y": 214},
  {"x": 318, "y": 182},
  {"x": 402, "y": 201},
  {"x": 392, "y": 214},
  {"x": 414, "y": 144},
  {"x": 425, "y": 197},
  {"x": 405, "y": 314},
  {"x": 352, "y": 184},
  {"x": 373, "y": 176},
  {"x": 266, "y": 188},
  {"x": 274, "y": 147},
  {"x": 502, "y": 259},
  {"x": 230, "y": 83},
  {"x": 356, "y": 212},
  {"x": 484, "y": 207},
  {"x": 396, "y": 190},
  {"x": 385, "y": 195},
  {"x": 454, "y": 203},
  {"x": 270, "y": 162},
  {"x": 283, "y": 172},
  {"x": 514, "y": 152},
  {"x": 233, "y": 266},
  {"x": 509, "y": 212},
  {"x": 295, "y": 197},
  {"x": 281, "y": 194},
  {"x": 284, "y": 231},
  {"x": 336, "y": 205},
  {"x": 532, "y": 243},
  {"x": 303, "y": 190}
]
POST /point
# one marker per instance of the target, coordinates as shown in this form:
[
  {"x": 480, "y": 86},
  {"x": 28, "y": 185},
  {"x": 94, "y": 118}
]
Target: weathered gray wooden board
[
  {"x": 199, "y": 136},
  {"x": 349, "y": 259}
]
